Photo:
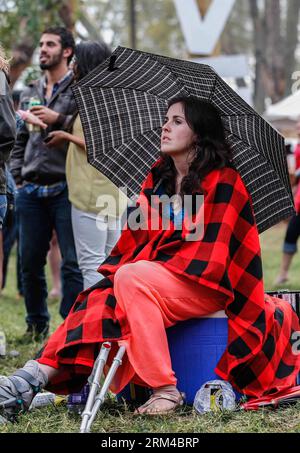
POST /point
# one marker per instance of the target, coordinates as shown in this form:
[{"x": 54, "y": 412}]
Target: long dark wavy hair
[{"x": 211, "y": 149}]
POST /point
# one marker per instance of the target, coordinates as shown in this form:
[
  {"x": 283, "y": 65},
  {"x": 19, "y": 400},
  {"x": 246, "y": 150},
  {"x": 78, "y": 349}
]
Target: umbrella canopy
[{"x": 122, "y": 106}]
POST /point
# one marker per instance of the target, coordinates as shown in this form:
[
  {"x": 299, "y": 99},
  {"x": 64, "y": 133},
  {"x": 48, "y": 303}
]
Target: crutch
[{"x": 95, "y": 401}]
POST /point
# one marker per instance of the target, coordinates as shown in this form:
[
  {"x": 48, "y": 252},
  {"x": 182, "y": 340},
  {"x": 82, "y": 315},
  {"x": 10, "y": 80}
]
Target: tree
[
  {"x": 238, "y": 33},
  {"x": 275, "y": 26},
  {"x": 264, "y": 29},
  {"x": 25, "y": 19},
  {"x": 157, "y": 26},
  {"x": 291, "y": 41}
]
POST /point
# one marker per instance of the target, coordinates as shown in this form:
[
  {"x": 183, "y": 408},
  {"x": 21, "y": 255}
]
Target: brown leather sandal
[{"x": 176, "y": 400}]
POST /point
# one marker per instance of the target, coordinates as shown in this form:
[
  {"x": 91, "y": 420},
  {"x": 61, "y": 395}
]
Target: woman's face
[{"x": 177, "y": 137}]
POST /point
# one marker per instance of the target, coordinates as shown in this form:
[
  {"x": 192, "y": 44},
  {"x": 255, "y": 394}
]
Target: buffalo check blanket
[{"x": 260, "y": 357}]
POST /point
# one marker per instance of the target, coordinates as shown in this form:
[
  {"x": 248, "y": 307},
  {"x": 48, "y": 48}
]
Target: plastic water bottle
[
  {"x": 2, "y": 344},
  {"x": 214, "y": 395},
  {"x": 33, "y": 101},
  {"x": 45, "y": 399}
]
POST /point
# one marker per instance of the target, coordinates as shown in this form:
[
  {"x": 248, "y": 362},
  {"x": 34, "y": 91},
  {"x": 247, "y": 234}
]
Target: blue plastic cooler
[{"x": 196, "y": 346}]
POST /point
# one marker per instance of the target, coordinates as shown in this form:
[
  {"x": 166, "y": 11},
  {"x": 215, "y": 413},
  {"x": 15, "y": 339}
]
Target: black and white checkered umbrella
[{"x": 122, "y": 105}]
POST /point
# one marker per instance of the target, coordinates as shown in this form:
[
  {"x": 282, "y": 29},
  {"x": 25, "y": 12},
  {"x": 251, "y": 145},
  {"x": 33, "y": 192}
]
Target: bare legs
[
  {"x": 289, "y": 248},
  {"x": 54, "y": 257},
  {"x": 284, "y": 268}
]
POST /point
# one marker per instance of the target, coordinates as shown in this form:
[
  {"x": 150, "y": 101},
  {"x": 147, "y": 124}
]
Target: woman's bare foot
[{"x": 163, "y": 401}]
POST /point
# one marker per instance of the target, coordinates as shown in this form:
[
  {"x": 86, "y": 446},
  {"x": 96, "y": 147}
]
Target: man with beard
[{"x": 39, "y": 171}]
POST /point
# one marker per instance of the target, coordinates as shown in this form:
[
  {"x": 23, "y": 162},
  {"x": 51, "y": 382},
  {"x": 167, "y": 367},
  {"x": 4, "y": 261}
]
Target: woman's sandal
[{"x": 176, "y": 400}]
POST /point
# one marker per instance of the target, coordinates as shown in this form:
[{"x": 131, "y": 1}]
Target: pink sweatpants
[{"x": 153, "y": 299}]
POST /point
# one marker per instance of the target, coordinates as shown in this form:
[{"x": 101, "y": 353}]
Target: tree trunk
[
  {"x": 21, "y": 59},
  {"x": 274, "y": 47},
  {"x": 22, "y": 53},
  {"x": 131, "y": 4},
  {"x": 291, "y": 42},
  {"x": 93, "y": 31},
  {"x": 260, "y": 65},
  {"x": 67, "y": 13}
]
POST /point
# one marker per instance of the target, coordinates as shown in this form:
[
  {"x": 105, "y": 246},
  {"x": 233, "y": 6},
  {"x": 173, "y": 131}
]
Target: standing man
[{"x": 39, "y": 172}]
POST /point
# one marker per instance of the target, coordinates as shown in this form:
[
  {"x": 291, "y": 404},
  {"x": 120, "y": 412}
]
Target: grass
[{"x": 116, "y": 417}]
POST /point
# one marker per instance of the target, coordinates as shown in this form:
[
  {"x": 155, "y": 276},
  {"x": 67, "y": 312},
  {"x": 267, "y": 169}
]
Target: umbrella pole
[{"x": 95, "y": 384}]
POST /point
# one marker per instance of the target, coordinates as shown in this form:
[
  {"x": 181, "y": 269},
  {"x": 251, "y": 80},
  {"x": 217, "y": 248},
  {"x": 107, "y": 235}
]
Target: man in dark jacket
[
  {"x": 39, "y": 172},
  {"x": 7, "y": 140}
]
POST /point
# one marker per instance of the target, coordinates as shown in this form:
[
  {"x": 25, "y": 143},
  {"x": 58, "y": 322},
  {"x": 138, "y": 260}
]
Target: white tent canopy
[{"x": 288, "y": 108}]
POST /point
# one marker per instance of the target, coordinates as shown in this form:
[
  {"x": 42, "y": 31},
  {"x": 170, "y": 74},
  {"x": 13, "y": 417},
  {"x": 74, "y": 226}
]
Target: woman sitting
[{"x": 205, "y": 259}]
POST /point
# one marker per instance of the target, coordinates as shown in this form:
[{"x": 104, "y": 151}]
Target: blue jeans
[
  {"x": 11, "y": 231},
  {"x": 10, "y": 237},
  {"x": 292, "y": 235},
  {"x": 38, "y": 217},
  {"x": 3, "y": 207}
]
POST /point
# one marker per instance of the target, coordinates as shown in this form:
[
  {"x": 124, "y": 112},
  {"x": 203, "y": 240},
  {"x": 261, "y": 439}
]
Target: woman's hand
[
  {"x": 30, "y": 118},
  {"x": 57, "y": 138}
]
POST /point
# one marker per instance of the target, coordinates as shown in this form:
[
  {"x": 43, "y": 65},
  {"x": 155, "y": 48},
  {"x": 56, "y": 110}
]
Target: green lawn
[{"x": 117, "y": 418}]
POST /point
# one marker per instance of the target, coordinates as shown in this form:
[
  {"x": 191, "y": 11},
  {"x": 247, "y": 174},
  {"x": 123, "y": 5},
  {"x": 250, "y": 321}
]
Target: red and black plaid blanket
[{"x": 259, "y": 356}]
